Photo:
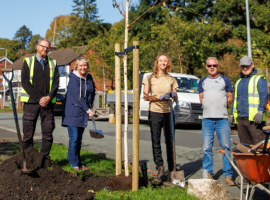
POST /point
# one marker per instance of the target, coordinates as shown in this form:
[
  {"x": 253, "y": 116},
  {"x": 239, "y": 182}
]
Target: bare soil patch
[{"x": 49, "y": 180}]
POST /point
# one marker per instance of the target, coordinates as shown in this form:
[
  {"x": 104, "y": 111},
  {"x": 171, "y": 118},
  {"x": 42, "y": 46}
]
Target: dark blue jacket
[
  {"x": 78, "y": 100},
  {"x": 242, "y": 94}
]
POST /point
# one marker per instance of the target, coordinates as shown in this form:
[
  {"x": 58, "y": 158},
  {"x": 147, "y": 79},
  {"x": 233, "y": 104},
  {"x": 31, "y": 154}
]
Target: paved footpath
[{"x": 188, "y": 146}]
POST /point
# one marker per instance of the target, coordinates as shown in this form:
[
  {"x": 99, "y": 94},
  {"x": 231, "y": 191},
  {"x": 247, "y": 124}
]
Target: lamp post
[
  {"x": 4, "y": 82},
  {"x": 54, "y": 31},
  {"x": 248, "y": 30}
]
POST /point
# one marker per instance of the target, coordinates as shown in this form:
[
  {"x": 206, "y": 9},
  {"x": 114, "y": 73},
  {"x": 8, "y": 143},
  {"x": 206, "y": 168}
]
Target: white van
[{"x": 189, "y": 109}]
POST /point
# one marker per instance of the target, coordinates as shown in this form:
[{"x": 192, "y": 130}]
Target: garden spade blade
[{"x": 96, "y": 133}]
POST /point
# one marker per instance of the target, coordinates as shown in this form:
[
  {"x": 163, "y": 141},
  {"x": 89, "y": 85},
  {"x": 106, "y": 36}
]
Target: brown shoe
[
  {"x": 210, "y": 176},
  {"x": 229, "y": 181},
  {"x": 161, "y": 174},
  {"x": 245, "y": 181}
]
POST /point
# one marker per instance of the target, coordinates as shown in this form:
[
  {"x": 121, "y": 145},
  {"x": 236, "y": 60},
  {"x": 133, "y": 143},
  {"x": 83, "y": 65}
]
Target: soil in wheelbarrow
[{"x": 48, "y": 181}]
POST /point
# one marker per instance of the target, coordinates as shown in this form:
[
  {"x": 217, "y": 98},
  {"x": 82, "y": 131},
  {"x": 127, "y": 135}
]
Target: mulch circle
[
  {"x": 122, "y": 182},
  {"x": 48, "y": 180}
]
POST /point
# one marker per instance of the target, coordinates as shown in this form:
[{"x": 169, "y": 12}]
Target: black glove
[
  {"x": 165, "y": 96},
  {"x": 173, "y": 94},
  {"x": 258, "y": 117}
]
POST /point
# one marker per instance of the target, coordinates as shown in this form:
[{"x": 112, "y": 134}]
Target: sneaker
[
  {"x": 76, "y": 168},
  {"x": 210, "y": 176},
  {"x": 229, "y": 181},
  {"x": 161, "y": 174},
  {"x": 84, "y": 168}
]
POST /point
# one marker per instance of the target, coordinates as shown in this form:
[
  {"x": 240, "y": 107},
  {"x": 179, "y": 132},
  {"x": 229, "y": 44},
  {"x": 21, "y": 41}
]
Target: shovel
[
  {"x": 24, "y": 170},
  {"x": 95, "y": 133},
  {"x": 175, "y": 177}
]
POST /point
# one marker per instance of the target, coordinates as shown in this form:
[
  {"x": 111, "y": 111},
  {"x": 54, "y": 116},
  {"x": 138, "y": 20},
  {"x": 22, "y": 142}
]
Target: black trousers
[
  {"x": 249, "y": 132},
  {"x": 30, "y": 116},
  {"x": 158, "y": 121}
]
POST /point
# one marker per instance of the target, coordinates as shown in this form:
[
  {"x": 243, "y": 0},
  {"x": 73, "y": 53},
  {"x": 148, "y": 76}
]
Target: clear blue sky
[{"x": 37, "y": 15}]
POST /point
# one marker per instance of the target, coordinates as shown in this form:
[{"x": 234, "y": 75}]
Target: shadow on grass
[{"x": 8, "y": 149}]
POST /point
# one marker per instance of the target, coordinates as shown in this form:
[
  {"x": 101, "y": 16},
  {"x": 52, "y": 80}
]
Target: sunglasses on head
[
  {"x": 81, "y": 58},
  {"x": 211, "y": 66}
]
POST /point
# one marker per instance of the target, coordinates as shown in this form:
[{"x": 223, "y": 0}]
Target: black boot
[{"x": 161, "y": 174}]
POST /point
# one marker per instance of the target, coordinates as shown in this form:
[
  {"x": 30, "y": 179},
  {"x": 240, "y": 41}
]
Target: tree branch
[
  {"x": 130, "y": 4},
  {"x": 123, "y": 9},
  {"x": 147, "y": 11}
]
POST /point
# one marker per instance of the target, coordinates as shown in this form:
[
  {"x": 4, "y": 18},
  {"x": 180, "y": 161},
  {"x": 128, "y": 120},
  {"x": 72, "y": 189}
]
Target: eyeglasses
[
  {"x": 245, "y": 66},
  {"x": 211, "y": 66},
  {"x": 47, "y": 48}
]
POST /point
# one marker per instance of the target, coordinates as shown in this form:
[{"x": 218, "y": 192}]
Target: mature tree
[
  {"x": 104, "y": 45},
  {"x": 33, "y": 43},
  {"x": 12, "y": 47},
  {"x": 81, "y": 30},
  {"x": 62, "y": 28},
  {"x": 86, "y": 9},
  {"x": 24, "y": 35},
  {"x": 85, "y": 24}
]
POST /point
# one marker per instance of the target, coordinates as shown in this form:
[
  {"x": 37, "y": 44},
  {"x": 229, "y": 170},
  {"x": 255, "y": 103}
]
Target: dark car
[{"x": 58, "y": 106}]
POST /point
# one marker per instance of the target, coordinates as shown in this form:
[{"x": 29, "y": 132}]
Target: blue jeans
[
  {"x": 222, "y": 128},
  {"x": 75, "y": 143}
]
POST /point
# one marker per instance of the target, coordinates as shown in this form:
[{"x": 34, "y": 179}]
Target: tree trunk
[{"x": 126, "y": 99}]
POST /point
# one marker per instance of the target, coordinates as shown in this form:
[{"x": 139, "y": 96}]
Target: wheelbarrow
[
  {"x": 24, "y": 170},
  {"x": 255, "y": 168}
]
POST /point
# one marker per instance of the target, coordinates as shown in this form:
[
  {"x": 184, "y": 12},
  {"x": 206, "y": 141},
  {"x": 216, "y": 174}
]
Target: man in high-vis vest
[
  {"x": 40, "y": 81},
  {"x": 249, "y": 103}
]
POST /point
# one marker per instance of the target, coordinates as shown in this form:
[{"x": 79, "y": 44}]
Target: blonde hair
[
  {"x": 81, "y": 59},
  {"x": 44, "y": 39},
  {"x": 156, "y": 67}
]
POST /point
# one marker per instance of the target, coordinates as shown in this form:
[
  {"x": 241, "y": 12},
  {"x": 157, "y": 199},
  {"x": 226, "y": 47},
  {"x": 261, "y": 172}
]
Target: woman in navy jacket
[{"x": 77, "y": 109}]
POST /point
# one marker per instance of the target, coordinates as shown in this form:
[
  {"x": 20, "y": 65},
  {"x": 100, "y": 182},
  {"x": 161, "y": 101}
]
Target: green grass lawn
[
  {"x": 7, "y": 109},
  {"x": 105, "y": 167}
]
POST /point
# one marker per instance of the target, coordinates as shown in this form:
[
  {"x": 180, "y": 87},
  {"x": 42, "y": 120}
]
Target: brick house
[
  {"x": 3, "y": 61},
  {"x": 65, "y": 59}
]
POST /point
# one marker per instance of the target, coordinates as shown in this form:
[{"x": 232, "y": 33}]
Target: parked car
[{"x": 58, "y": 106}]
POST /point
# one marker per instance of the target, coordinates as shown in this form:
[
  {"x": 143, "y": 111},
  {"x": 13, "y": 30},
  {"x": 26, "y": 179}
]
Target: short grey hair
[{"x": 210, "y": 58}]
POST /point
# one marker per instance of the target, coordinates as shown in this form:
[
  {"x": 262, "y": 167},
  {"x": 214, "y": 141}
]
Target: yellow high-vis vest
[
  {"x": 31, "y": 62},
  {"x": 253, "y": 99}
]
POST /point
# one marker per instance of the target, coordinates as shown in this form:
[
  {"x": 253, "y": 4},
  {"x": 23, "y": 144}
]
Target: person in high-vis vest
[
  {"x": 40, "y": 82},
  {"x": 249, "y": 103}
]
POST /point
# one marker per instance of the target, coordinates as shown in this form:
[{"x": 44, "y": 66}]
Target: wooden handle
[
  {"x": 6, "y": 70},
  {"x": 266, "y": 128},
  {"x": 255, "y": 147}
]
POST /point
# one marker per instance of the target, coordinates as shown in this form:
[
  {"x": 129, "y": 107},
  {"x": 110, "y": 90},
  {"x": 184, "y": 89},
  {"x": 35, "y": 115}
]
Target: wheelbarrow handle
[
  {"x": 222, "y": 151},
  {"x": 7, "y": 70},
  {"x": 266, "y": 128}
]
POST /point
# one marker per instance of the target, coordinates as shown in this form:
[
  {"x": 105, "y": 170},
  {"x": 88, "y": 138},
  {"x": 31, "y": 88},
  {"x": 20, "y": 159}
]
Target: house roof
[
  {"x": 17, "y": 65},
  {"x": 66, "y": 56},
  {"x": 62, "y": 57}
]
